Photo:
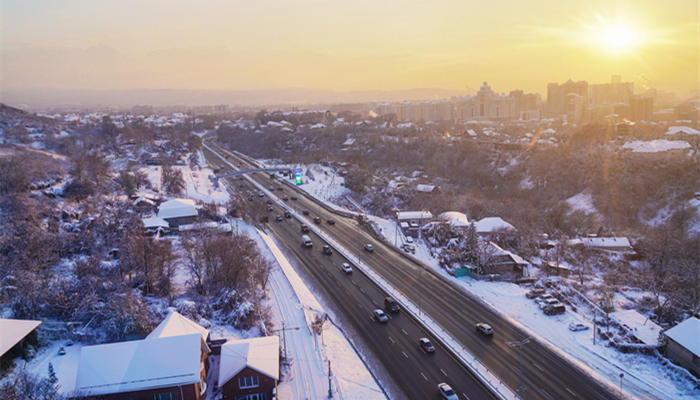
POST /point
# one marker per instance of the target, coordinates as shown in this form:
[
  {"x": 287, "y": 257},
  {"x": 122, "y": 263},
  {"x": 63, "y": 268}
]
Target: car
[
  {"x": 261, "y": 194},
  {"x": 346, "y": 268},
  {"x": 61, "y": 351},
  {"x": 577, "y": 327},
  {"x": 264, "y": 218},
  {"x": 542, "y": 299},
  {"x": 391, "y": 304},
  {"x": 484, "y": 328},
  {"x": 426, "y": 345},
  {"x": 294, "y": 198},
  {"x": 272, "y": 188},
  {"x": 369, "y": 247},
  {"x": 305, "y": 212},
  {"x": 409, "y": 248},
  {"x": 327, "y": 250},
  {"x": 280, "y": 189},
  {"x": 317, "y": 220},
  {"x": 409, "y": 239},
  {"x": 269, "y": 208},
  {"x": 279, "y": 218},
  {"x": 534, "y": 293},
  {"x": 547, "y": 302},
  {"x": 379, "y": 316},
  {"x": 330, "y": 221},
  {"x": 269, "y": 202},
  {"x": 287, "y": 214},
  {"x": 285, "y": 198},
  {"x": 446, "y": 392},
  {"x": 555, "y": 308},
  {"x": 304, "y": 228}
]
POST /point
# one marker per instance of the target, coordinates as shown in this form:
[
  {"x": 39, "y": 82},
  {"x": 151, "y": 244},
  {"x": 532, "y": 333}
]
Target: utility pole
[
  {"x": 330, "y": 392},
  {"x": 284, "y": 339},
  {"x": 520, "y": 345},
  {"x": 622, "y": 375}
]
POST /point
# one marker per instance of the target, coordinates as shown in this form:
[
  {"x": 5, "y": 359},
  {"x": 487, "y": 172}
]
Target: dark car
[
  {"x": 294, "y": 198},
  {"x": 305, "y": 212},
  {"x": 305, "y": 228},
  {"x": 426, "y": 345},
  {"x": 391, "y": 304},
  {"x": 327, "y": 250},
  {"x": 285, "y": 198},
  {"x": 279, "y": 218},
  {"x": 331, "y": 221},
  {"x": 269, "y": 208},
  {"x": 269, "y": 202},
  {"x": 287, "y": 214},
  {"x": 280, "y": 188},
  {"x": 484, "y": 329},
  {"x": 264, "y": 219},
  {"x": 317, "y": 220}
]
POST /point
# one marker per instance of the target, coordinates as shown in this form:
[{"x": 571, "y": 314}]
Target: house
[
  {"x": 178, "y": 212},
  {"x": 639, "y": 326},
  {"x": 163, "y": 368},
  {"x": 505, "y": 263},
  {"x": 607, "y": 243},
  {"x": 492, "y": 225},
  {"x": 683, "y": 344},
  {"x": 427, "y": 188},
  {"x": 176, "y": 324},
  {"x": 249, "y": 369},
  {"x": 154, "y": 225},
  {"x": 15, "y": 334},
  {"x": 455, "y": 218},
  {"x": 415, "y": 219},
  {"x": 554, "y": 268}
]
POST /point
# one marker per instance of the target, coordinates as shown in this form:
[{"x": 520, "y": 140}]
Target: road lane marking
[
  {"x": 443, "y": 371},
  {"x": 404, "y": 354},
  {"x": 424, "y": 377},
  {"x": 538, "y": 366},
  {"x": 404, "y": 331},
  {"x": 391, "y": 340},
  {"x": 571, "y": 392}
]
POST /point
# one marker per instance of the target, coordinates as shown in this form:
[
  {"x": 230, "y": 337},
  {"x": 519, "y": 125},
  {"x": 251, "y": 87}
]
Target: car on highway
[
  {"x": 279, "y": 218},
  {"x": 327, "y": 250},
  {"x": 264, "y": 218},
  {"x": 330, "y": 221},
  {"x": 391, "y": 304},
  {"x": 577, "y": 327},
  {"x": 287, "y": 214},
  {"x": 317, "y": 220},
  {"x": 379, "y": 316},
  {"x": 484, "y": 328},
  {"x": 346, "y": 268},
  {"x": 261, "y": 194},
  {"x": 305, "y": 212},
  {"x": 446, "y": 392},
  {"x": 304, "y": 228},
  {"x": 426, "y": 345},
  {"x": 285, "y": 198},
  {"x": 306, "y": 241},
  {"x": 369, "y": 247},
  {"x": 280, "y": 188},
  {"x": 269, "y": 202},
  {"x": 294, "y": 198}
]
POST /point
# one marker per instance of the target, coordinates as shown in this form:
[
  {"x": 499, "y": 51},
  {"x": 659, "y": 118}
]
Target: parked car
[
  {"x": 285, "y": 198},
  {"x": 305, "y": 212},
  {"x": 484, "y": 328},
  {"x": 269, "y": 202},
  {"x": 304, "y": 228},
  {"x": 542, "y": 299},
  {"x": 279, "y": 218},
  {"x": 346, "y": 268},
  {"x": 317, "y": 220},
  {"x": 426, "y": 345},
  {"x": 409, "y": 239},
  {"x": 555, "y": 308},
  {"x": 369, "y": 247},
  {"x": 380, "y": 316},
  {"x": 577, "y": 327},
  {"x": 269, "y": 208},
  {"x": 534, "y": 293},
  {"x": 261, "y": 194},
  {"x": 330, "y": 221},
  {"x": 446, "y": 392},
  {"x": 327, "y": 250},
  {"x": 391, "y": 304},
  {"x": 264, "y": 218},
  {"x": 294, "y": 198}
]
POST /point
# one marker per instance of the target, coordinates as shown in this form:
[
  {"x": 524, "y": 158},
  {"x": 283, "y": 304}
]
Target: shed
[
  {"x": 641, "y": 327},
  {"x": 683, "y": 344},
  {"x": 14, "y": 333}
]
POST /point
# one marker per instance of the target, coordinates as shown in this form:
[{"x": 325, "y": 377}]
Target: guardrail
[{"x": 497, "y": 387}]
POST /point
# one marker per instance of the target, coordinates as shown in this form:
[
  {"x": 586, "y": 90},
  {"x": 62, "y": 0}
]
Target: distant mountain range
[{"x": 49, "y": 98}]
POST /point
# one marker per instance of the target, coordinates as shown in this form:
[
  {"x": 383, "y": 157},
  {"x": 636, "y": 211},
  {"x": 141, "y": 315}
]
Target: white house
[
  {"x": 683, "y": 344},
  {"x": 455, "y": 218},
  {"x": 178, "y": 211},
  {"x": 414, "y": 218},
  {"x": 489, "y": 225},
  {"x": 607, "y": 243}
]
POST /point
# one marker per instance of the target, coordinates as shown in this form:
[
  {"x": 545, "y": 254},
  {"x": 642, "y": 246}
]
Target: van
[
  {"x": 391, "y": 304},
  {"x": 306, "y": 241}
]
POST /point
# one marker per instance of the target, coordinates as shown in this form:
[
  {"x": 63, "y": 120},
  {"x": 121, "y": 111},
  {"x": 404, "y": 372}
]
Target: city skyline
[{"x": 276, "y": 45}]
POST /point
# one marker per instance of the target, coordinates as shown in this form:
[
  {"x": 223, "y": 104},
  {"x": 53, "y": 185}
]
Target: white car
[
  {"x": 577, "y": 327},
  {"x": 409, "y": 239},
  {"x": 446, "y": 392},
  {"x": 346, "y": 268},
  {"x": 380, "y": 316},
  {"x": 369, "y": 247}
]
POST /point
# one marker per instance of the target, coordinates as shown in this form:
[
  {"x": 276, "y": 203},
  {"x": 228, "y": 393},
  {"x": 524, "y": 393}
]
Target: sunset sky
[{"x": 346, "y": 45}]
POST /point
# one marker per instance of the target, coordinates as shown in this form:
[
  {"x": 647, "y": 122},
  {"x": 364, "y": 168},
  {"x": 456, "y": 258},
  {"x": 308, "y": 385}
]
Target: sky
[{"x": 346, "y": 45}]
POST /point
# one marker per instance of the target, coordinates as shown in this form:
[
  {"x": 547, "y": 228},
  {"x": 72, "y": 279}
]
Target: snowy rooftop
[
  {"x": 177, "y": 208},
  {"x": 403, "y": 215},
  {"x": 687, "y": 334},
  {"x": 176, "y": 324},
  {"x": 14, "y": 330},
  {"x": 139, "y": 365},
  {"x": 655, "y": 146},
  {"x": 672, "y": 130},
  {"x": 349, "y": 142},
  {"x": 260, "y": 354},
  {"x": 606, "y": 242},
  {"x": 642, "y": 328},
  {"x": 455, "y": 218},
  {"x": 492, "y": 224},
  {"x": 425, "y": 188},
  {"x": 155, "y": 222}
]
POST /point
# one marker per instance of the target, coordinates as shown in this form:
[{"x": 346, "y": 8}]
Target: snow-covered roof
[
  {"x": 177, "y": 208},
  {"x": 655, "y": 146},
  {"x": 642, "y": 328},
  {"x": 349, "y": 142},
  {"x": 176, "y": 324},
  {"x": 139, "y": 365},
  {"x": 498, "y": 250},
  {"x": 198, "y": 226},
  {"x": 672, "y": 130},
  {"x": 260, "y": 354},
  {"x": 455, "y": 218},
  {"x": 14, "y": 330},
  {"x": 425, "y": 188},
  {"x": 686, "y": 335},
  {"x": 403, "y": 215},
  {"x": 492, "y": 224},
  {"x": 606, "y": 242},
  {"x": 155, "y": 222}
]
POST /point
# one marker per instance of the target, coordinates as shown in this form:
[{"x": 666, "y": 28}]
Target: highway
[{"x": 543, "y": 374}]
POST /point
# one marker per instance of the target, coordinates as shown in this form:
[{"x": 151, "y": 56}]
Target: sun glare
[{"x": 616, "y": 37}]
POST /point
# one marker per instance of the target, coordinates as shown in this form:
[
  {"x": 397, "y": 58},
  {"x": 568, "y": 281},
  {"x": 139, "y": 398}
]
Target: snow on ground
[
  {"x": 645, "y": 376},
  {"x": 65, "y": 366},
  {"x": 582, "y": 202},
  {"x": 199, "y": 184},
  {"x": 654, "y": 146}
]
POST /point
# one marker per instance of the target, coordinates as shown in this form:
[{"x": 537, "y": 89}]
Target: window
[
  {"x": 245, "y": 382},
  {"x": 254, "y": 396},
  {"x": 164, "y": 396}
]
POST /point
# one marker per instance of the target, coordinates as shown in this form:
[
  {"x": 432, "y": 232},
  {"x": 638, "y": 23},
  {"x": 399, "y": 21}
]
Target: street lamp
[{"x": 520, "y": 345}]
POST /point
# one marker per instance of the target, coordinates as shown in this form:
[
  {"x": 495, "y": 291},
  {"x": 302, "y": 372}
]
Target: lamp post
[{"x": 520, "y": 345}]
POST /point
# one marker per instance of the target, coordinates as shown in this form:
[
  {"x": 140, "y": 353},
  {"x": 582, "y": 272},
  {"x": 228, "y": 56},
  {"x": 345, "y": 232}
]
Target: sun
[{"x": 618, "y": 38}]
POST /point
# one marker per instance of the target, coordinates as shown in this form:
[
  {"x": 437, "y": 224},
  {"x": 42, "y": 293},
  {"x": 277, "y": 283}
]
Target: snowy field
[{"x": 199, "y": 184}]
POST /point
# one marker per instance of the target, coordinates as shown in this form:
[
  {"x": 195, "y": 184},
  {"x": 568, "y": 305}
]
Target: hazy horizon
[{"x": 274, "y": 45}]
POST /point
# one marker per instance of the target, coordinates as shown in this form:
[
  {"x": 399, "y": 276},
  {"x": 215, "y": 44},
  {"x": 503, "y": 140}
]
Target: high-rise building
[
  {"x": 609, "y": 94},
  {"x": 557, "y": 102},
  {"x": 642, "y": 108},
  {"x": 486, "y": 105},
  {"x": 525, "y": 103}
]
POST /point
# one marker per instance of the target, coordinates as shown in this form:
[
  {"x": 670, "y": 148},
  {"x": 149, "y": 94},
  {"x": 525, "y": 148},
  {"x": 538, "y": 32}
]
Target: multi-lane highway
[{"x": 543, "y": 374}]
